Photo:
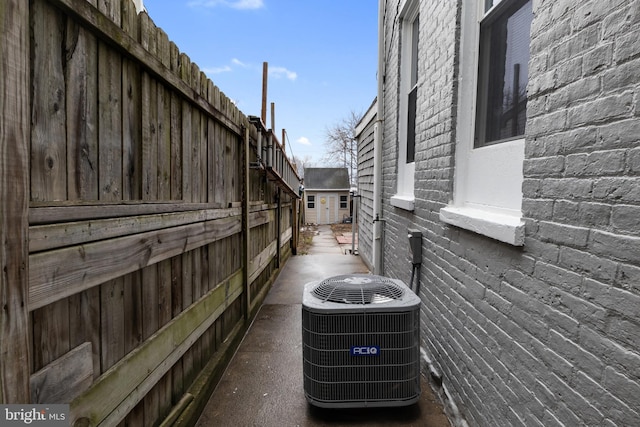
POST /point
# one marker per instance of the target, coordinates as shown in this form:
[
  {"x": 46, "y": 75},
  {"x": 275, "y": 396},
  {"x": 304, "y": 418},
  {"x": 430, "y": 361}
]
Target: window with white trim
[
  {"x": 344, "y": 202},
  {"x": 408, "y": 90},
  {"x": 311, "y": 201},
  {"x": 492, "y": 101},
  {"x": 503, "y": 72}
]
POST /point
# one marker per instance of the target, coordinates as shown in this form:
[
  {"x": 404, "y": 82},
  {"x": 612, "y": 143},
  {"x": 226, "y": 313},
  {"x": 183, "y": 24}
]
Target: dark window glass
[
  {"x": 413, "y": 94},
  {"x": 414, "y": 50},
  {"x": 411, "y": 125},
  {"x": 311, "y": 202},
  {"x": 503, "y": 73},
  {"x": 343, "y": 202}
]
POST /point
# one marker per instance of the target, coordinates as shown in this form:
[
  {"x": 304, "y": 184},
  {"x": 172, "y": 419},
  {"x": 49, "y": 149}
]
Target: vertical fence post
[
  {"x": 284, "y": 142},
  {"x": 265, "y": 78},
  {"x": 245, "y": 224},
  {"x": 279, "y": 228},
  {"x": 270, "y": 150},
  {"x": 14, "y": 194},
  {"x": 295, "y": 227}
]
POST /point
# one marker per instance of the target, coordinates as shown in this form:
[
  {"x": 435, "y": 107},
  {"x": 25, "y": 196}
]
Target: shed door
[{"x": 327, "y": 208}]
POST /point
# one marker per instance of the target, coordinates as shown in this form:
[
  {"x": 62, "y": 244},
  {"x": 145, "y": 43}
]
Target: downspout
[{"x": 378, "y": 133}]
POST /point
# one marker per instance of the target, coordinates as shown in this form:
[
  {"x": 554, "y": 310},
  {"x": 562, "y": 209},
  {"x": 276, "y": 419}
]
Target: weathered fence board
[
  {"x": 65, "y": 378},
  {"x": 196, "y": 139},
  {"x": 131, "y": 132},
  {"x": 82, "y": 114},
  {"x": 84, "y": 323},
  {"x": 77, "y": 211},
  {"x": 57, "y": 274},
  {"x": 258, "y": 264},
  {"x": 164, "y": 122},
  {"x": 49, "y": 160},
  {"x": 15, "y": 68},
  {"x": 110, "y": 124},
  {"x": 51, "y": 332},
  {"x": 48, "y": 111},
  {"x": 112, "y": 322},
  {"x": 175, "y": 127},
  {"x": 54, "y": 236}
]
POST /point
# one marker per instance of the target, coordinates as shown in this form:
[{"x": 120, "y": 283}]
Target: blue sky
[{"x": 322, "y": 57}]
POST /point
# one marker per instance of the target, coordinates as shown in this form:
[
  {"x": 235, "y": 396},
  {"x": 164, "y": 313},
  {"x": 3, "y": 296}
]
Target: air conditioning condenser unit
[{"x": 361, "y": 342}]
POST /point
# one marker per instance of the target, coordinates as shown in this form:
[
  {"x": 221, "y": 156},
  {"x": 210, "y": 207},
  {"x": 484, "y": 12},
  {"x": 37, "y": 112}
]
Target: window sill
[
  {"x": 403, "y": 202},
  {"x": 500, "y": 226}
]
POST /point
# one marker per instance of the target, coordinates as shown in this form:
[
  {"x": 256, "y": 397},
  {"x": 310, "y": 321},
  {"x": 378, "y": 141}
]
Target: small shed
[{"x": 326, "y": 195}]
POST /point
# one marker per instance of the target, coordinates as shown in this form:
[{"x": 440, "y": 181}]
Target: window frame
[
  {"x": 311, "y": 201},
  {"x": 412, "y": 94},
  {"x": 487, "y": 194},
  {"x": 408, "y": 87},
  {"x": 485, "y": 52},
  {"x": 346, "y": 202}
]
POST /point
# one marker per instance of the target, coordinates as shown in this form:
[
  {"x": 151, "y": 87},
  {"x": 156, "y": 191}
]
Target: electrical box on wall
[{"x": 415, "y": 246}]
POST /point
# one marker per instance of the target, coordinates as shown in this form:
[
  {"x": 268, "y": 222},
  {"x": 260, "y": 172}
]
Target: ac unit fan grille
[{"x": 358, "y": 289}]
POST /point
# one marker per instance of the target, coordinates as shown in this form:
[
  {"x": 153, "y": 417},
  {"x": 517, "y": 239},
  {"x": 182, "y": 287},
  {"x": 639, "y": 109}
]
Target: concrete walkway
[{"x": 263, "y": 384}]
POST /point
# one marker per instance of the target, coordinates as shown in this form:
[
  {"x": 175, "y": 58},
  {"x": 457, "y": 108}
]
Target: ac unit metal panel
[{"x": 365, "y": 354}]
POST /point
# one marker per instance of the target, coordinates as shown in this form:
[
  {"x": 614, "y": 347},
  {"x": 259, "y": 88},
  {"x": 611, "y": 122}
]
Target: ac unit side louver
[{"x": 361, "y": 342}]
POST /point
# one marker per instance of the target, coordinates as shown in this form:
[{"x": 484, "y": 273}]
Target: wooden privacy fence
[{"x": 143, "y": 217}]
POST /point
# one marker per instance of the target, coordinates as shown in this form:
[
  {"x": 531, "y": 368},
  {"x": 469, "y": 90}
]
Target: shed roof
[{"x": 326, "y": 178}]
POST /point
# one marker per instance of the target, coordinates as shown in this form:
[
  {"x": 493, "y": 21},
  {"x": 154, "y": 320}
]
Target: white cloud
[
  {"x": 303, "y": 140},
  {"x": 247, "y": 4},
  {"x": 233, "y": 65},
  {"x": 217, "y": 70},
  {"x": 234, "y": 4},
  {"x": 236, "y": 61},
  {"x": 278, "y": 72}
]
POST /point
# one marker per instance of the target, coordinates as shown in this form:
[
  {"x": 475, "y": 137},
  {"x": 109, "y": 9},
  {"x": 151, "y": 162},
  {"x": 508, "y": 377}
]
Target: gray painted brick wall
[{"x": 547, "y": 334}]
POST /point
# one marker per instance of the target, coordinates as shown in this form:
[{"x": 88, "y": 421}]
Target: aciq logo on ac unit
[{"x": 365, "y": 350}]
